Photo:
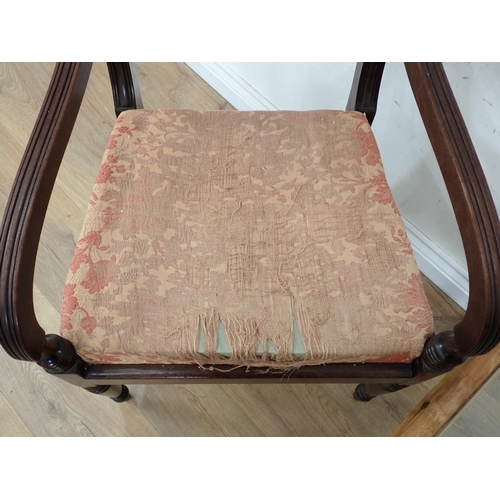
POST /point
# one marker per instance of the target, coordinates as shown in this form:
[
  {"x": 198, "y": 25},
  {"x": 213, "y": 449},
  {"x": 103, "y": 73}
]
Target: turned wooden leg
[
  {"x": 366, "y": 392},
  {"x": 440, "y": 355},
  {"x": 59, "y": 358},
  {"x": 118, "y": 393}
]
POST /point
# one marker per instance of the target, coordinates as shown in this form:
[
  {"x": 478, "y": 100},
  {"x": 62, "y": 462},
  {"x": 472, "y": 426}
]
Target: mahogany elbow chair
[{"x": 241, "y": 246}]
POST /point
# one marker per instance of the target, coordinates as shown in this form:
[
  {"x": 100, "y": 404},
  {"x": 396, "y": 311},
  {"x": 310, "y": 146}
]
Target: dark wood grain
[
  {"x": 20, "y": 334},
  {"x": 344, "y": 373},
  {"x": 125, "y": 86},
  {"x": 470, "y": 195},
  {"x": 365, "y": 89}
]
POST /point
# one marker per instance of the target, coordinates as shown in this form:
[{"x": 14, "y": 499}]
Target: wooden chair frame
[{"x": 24, "y": 339}]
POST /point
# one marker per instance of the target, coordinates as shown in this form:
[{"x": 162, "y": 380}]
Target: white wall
[
  {"x": 410, "y": 165},
  {"x": 299, "y": 85}
]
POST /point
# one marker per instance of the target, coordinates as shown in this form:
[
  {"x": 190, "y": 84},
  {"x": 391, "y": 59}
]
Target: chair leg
[
  {"x": 118, "y": 393},
  {"x": 366, "y": 392},
  {"x": 440, "y": 355},
  {"x": 59, "y": 358}
]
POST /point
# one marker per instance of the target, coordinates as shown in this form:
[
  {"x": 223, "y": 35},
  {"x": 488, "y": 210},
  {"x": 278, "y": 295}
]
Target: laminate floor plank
[
  {"x": 51, "y": 407},
  {"x": 11, "y": 424},
  {"x": 481, "y": 416},
  {"x": 272, "y": 409}
]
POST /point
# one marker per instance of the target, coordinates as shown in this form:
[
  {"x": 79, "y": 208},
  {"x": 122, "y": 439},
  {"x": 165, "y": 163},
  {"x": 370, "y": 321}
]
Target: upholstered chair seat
[{"x": 246, "y": 238}]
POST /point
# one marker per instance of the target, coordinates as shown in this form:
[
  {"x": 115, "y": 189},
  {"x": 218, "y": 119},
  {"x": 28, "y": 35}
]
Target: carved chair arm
[
  {"x": 125, "y": 86},
  {"x": 477, "y": 218},
  {"x": 365, "y": 89},
  {"x": 20, "y": 334}
]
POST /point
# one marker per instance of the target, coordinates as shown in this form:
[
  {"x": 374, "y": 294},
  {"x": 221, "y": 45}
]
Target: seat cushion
[{"x": 246, "y": 238}]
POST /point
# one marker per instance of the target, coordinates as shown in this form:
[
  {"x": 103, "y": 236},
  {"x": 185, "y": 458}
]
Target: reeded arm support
[
  {"x": 20, "y": 334},
  {"x": 125, "y": 86},
  {"x": 474, "y": 209},
  {"x": 365, "y": 89}
]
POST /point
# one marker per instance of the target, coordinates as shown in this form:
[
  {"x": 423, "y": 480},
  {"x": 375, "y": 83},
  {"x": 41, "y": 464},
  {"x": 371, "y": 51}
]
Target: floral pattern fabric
[{"x": 274, "y": 234}]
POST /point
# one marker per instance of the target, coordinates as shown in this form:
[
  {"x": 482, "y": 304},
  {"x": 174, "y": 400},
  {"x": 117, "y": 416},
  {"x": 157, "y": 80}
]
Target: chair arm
[
  {"x": 365, "y": 89},
  {"x": 20, "y": 334},
  {"x": 125, "y": 86},
  {"x": 477, "y": 218}
]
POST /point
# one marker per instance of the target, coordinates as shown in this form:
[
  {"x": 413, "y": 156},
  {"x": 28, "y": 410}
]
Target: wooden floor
[
  {"x": 33, "y": 403},
  {"x": 481, "y": 416}
]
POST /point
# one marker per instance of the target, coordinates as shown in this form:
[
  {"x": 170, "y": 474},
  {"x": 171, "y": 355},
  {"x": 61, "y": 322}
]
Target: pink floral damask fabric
[{"x": 272, "y": 233}]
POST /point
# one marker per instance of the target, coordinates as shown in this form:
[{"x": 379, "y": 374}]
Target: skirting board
[
  {"x": 438, "y": 266},
  {"x": 231, "y": 86},
  {"x": 434, "y": 263}
]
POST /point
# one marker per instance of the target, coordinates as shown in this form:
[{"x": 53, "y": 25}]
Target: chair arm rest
[
  {"x": 477, "y": 217},
  {"x": 365, "y": 89},
  {"x": 20, "y": 334},
  {"x": 125, "y": 86}
]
